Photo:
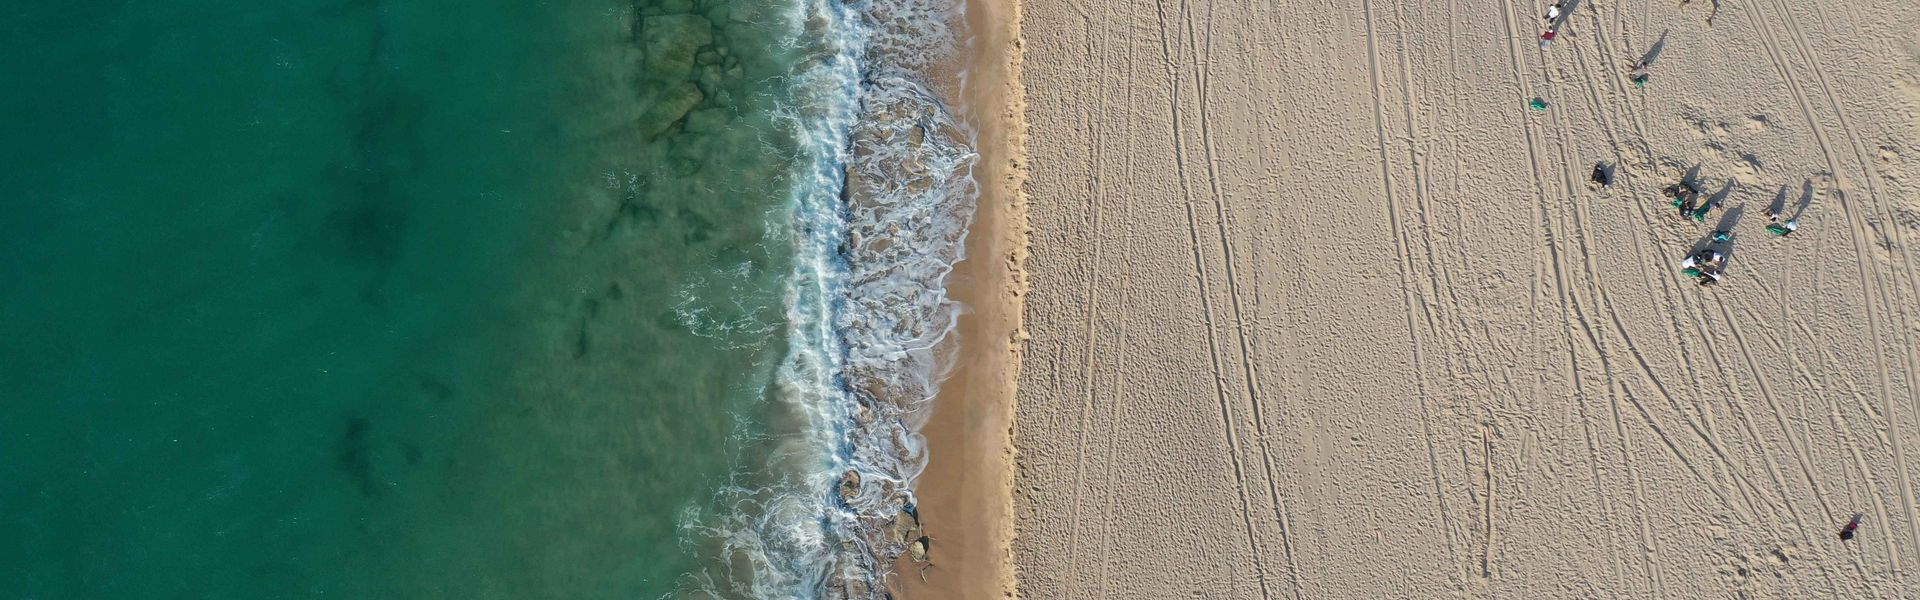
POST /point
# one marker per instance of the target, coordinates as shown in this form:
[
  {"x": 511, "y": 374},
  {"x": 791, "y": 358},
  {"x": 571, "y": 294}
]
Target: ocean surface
[{"x": 387, "y": 299}]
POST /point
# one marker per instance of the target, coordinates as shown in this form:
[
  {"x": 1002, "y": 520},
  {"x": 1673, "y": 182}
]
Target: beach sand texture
[{"x": 1319, "y": 308}]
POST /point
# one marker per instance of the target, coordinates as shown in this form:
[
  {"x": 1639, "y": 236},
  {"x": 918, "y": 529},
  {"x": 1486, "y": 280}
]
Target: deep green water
[{"x": 380, "y": 299}]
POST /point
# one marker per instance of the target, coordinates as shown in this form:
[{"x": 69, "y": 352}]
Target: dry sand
[{"x": 1319, "y": 309}]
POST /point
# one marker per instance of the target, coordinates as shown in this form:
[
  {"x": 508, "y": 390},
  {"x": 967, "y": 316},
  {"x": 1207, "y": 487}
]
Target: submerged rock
[
  {"x": 672, "y": 43},
  {"x": 848, "y": 587},
  {"x": 918, "y": 550},
  {"x": 849, "y": 485},
  {"x": 689, "y": 154},
  {"x": 708, "y": 77},
  {"x": 669, "y": 107},
  {"x": 707, "y": 120},
  {"x": 905, "y": 526},
  {"x": 862, "y": 415}
]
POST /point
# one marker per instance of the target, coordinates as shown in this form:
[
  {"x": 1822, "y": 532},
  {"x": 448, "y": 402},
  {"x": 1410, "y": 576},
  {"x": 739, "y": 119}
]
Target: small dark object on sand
[
  {"x": 1601, "y": 176},
  {"x": 1846, "y": 533}
]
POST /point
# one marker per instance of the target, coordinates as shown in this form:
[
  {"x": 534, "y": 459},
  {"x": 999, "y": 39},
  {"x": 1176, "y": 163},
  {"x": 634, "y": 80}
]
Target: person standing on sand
[
  {"x": 1779, "y": 227},
  {"x": 1638, "y": 74},
  {"x": 1710, "y": 13},
  {"x": 1553, "y": 12}
]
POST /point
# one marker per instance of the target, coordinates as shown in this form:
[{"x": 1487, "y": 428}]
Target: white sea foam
[{"x": 881, "y": 202}]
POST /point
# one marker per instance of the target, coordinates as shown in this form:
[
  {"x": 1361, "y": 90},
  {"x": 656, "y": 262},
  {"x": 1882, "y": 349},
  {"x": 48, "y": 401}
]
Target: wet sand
[{"x": 965, "y": 495}]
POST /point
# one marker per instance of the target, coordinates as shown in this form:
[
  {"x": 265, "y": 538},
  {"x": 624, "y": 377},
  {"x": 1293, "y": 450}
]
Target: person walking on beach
[{"x": 1553, "y": 11}]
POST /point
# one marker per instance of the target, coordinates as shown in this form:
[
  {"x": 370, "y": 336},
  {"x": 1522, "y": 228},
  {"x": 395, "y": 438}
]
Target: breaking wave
[{"x": 882, "y": 197}]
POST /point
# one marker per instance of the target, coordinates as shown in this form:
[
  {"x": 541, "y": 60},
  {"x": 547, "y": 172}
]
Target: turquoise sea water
[
  {"x": 375, "y": 299},
  {"x": 389, "y": 299}
]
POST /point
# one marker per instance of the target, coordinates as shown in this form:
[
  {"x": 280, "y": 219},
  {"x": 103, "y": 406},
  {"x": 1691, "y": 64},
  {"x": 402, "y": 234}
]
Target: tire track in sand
[
  {"x": 1601, "y": 299},
  {"x": 1618, "y": 328},
  {"x": 1206, "y": 302},
  {"x": 1804, "y": 459},
  {"x": 1860, "y": 231},
  {"x": 1571, "y": 368},
  {"x": 1571, "y": 299},
  {"x": 1672, "y": 307},
  {"x": 1404, "y": 263},
  {"x": 1624, "y": 179},
  {"x": 1096, "y": 198},
  {"x": 1619, "y": 92},
  {"x": 1203, "y": 67},
  {"x": 1117, "y": 414},
  {"x": 1639, "y": 128},
  {"x": 1871, "y": 177}
]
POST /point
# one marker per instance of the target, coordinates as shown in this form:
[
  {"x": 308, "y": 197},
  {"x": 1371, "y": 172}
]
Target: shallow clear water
[
  {"x": 388, "y": 299},
  {"x": 384, "y": 299}
]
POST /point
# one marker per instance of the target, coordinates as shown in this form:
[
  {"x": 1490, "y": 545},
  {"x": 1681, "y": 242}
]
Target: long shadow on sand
[{"x": 1653, "y": 53}]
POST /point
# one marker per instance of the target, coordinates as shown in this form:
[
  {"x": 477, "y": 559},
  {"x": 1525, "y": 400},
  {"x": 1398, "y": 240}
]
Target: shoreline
[{"x": 965, "y": 495}]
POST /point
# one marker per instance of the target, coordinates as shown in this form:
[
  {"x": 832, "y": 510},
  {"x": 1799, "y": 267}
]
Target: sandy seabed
[{"x": 1320, "y": 308}]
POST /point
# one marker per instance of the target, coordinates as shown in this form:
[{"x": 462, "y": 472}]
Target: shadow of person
[
  {"x": 1779, "y": 202},
  {"x": 1729, "y": 219},
  {"x": 1806, "y": 199},
  {"x": 1653, "y": 53},
  {"x": 1567, "y": 8},
  {"x": 1720, "y": 198}
]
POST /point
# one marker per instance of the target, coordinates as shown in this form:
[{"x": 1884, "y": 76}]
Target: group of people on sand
[
  {"x": 1689, "y": 199},
  {"x": 1709, "y": 262}
]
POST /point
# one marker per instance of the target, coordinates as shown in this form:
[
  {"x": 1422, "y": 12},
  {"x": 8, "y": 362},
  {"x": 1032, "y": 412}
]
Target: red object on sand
[{"x": 1548, "y": 36}]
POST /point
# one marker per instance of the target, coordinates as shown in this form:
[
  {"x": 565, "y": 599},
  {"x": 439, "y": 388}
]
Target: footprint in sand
[{"x": 1748, "y": 168}]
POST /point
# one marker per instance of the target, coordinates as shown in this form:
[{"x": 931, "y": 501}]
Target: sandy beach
[
  {"x": 965, "y": 495},
  {"x": 1319, "y": 307}
]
